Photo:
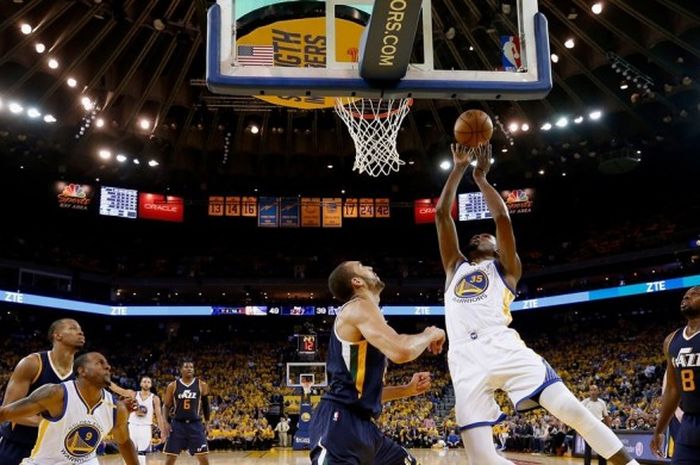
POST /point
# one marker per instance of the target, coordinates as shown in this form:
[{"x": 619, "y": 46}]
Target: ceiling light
[
  {"x": 578, "y": 120},
  {"x": 121, "y": 158},
  {"x": 53, "y": 63},
  {"x": 597, "y": 8},
  {"x": 541, "y": 172},
  {"x": 546, "y": 126},
  {"x": 513, "y": 127},
  {"x": 105, "y": 154},
  {"x": 144, "y": 123},
  {"x": 26, "y": 29},
  {"x": 595, "y": 115},
  {"x": 15, "y": 108},
  {"x": 254, "y": 129},
  {"x": 87, "y": 104},
  {"x": 569, "y": 43},
  {"x": 473, "y": 163},
  {"x": 562, "y": 122},
  {"x": 39, "y": 47},
  {"x": 71, "y": 82},
  {"x": 525, "y": 127},
  {"x": 555, "y": 58},
  {"x": 564, "y": 174},
  {"x": 445, "y": 165},
  {"x": 33, "y": 113},
  {"x": 49, "y": 119},
  {"x": 624, "y": 86},
  {"x": 153, "y": 163},
  {"x": 504, "y": 150},
  {"x": 136, "y": 161},
  {"x": 330, "y": 167},
  {"x": 99, "y": 122}
]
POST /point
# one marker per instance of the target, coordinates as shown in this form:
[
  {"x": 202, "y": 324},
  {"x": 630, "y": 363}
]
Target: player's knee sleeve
[{"x": 561, "y": 403}]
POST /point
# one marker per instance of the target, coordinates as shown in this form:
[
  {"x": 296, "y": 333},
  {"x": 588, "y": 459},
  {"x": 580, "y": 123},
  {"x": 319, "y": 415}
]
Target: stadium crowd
[{"x": 246, "y": 374}]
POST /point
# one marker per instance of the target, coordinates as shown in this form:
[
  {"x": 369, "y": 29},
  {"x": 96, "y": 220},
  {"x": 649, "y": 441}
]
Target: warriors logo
[
  {"x": 472, "y": 285},
  {"x": 82, "y": 440}
]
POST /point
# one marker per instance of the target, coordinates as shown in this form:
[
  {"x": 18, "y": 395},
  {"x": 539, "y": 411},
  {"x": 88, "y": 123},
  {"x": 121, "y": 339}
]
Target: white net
[{"x": 374, "y": 126}]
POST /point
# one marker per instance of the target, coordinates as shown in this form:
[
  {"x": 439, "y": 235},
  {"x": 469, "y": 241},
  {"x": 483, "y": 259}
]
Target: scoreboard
[
  {"x": 472, "y": 206},
  {"x": 115, "y": 201}
]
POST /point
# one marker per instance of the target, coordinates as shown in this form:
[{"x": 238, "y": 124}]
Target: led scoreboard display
[
  {"x": 307, "y": 343},
  {"x": 115, "y": 201},
  {"x": 472, "y": 206}
]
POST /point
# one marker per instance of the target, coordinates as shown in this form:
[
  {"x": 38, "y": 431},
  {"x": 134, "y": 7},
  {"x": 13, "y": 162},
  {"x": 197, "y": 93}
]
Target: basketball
[{"x": 473, "y": 128}]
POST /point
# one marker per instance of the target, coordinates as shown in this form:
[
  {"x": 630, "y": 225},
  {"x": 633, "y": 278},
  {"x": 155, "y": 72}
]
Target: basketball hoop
[
  {"x": 306, "y": 387},
  {"x": 374, "y": 126}
]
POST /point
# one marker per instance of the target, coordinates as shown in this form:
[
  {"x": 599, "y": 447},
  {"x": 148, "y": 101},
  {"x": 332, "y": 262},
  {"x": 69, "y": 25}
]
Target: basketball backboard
[{"x": 392, "y": 49}]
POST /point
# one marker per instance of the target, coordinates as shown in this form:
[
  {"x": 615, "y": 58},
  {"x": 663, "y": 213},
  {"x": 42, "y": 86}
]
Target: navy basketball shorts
[
  {"x": 12, "y": 453},
  {"x": 340, "y": 436},
  {"x": 191, "y": 437},
  {"x": 687, "y": 448}
]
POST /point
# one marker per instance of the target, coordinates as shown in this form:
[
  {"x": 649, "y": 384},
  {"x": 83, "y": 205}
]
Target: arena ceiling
[{"x": 141, "y": 63}]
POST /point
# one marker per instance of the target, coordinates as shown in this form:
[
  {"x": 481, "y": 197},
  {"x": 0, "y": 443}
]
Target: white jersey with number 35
[{"x": 476, "y": 299}]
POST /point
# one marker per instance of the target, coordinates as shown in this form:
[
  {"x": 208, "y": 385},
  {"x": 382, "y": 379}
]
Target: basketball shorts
[
  {"x": 141, "y": 435},
  {"x": 12, "y": 453},
  {"x": 687, "y": 447},
  {"x": 495, "y": 359},
  {"x": 191, "y": 437},
  {"x": 340, "y": 436}
]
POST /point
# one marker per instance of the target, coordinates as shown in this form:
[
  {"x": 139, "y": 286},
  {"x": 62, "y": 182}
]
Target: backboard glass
[
  {"x": 312, "y": 371},
  {"x": 272, "y": 48}
]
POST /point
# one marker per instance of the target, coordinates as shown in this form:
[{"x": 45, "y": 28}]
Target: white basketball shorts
[
  {"x": 141, "y": 436},
  {"x": 495, "y": 359}
]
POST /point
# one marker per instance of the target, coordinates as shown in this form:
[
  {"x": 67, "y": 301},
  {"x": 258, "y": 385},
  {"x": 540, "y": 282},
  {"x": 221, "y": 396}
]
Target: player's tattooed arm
[{"x": 48, "y": 398}]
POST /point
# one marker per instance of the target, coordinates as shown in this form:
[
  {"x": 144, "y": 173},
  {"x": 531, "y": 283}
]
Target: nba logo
[
  {"x": 510, "y": 47},
  {"x": 336, "y": 415}
]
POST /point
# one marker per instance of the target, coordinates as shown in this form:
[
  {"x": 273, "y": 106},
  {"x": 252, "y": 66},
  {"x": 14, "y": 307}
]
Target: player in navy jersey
[
  {"x": 188, "y": 395},
  {"x": 33, "y": 371},
  {"x": 682, "y": 351},
  {"x": 342, "y": 430}
]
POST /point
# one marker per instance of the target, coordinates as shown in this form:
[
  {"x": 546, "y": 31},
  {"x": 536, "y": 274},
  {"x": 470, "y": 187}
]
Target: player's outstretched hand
[
  {"x": 420, "y": 382},
  {"x": 483, "y": 161},
  {"x": 438, "y": 340},
  {"x": 657, "y": 443},
  {"x": 460, "y": 155}
]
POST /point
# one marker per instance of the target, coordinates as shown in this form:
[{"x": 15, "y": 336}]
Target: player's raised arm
[
  {"x": 48, "y": 398},
  {"x": 505, "y": 238},
  {"x": 447, "y": 231},
  {"x": 120, "y": 433},
  {"x": 670, "y": 398},
  {"x": 399, "y": 348}
]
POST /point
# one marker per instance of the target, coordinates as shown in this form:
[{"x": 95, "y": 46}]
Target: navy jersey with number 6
[
  {"x": 685, "y": 357},
  {"x": 356, "y": 371},
  {"x": 188, "y": 399}
]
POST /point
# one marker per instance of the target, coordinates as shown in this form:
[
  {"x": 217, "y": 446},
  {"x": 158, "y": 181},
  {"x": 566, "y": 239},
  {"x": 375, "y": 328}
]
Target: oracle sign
[
  {"x": 424, "y": 210},
  {"x": 161, "y": 207}
]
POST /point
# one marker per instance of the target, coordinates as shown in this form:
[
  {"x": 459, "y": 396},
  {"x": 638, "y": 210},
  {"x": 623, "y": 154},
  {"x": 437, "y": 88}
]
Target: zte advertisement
[{"x": 161, "y": 207}]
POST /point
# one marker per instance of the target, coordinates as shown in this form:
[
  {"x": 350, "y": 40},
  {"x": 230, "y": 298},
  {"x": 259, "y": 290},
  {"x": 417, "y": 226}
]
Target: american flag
[{"x": 256, "y": 55}]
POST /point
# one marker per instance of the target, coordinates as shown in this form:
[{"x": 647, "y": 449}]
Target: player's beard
[
  {"x": 690, "y": 312},
  {"x": 376, "y": 284}
]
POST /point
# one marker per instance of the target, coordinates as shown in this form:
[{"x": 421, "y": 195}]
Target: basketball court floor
[{"x": 289, "y": 457}]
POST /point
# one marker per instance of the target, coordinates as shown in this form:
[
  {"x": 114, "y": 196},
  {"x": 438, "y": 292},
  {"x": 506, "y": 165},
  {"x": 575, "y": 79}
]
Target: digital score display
[
  {"x": 115, "y": 201},
  {"x": 472, "y": 206},
  {"x": 307, "y": 343}
]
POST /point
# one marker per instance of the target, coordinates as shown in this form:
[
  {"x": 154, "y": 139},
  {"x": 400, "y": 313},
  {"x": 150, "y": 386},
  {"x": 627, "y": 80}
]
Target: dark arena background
[{"x": 177, "y": 224}]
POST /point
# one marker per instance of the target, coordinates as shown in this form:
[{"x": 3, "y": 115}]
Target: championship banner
[
  {"x": 350, "y": 208},
  {"x": 250, "y": 207},
  {"x": 268, "y": 212},
  {"x": 424, "y": 211},
  {"x": 310, "y": 212},
  {"x": 382, "y": 208},
  {"x": 332, "y": 213},
  {"x": 216, "y": 206},
  {"x": 510, "y": 53},
  {"x": 519, "y": 200},
  {"x": 289, "y": 212},
  {"x": 232, "y": 206},
  {"x": 366, "y": 208},
  {"x": 161, "y": 207},
  {"x": 73, "y": 196}
]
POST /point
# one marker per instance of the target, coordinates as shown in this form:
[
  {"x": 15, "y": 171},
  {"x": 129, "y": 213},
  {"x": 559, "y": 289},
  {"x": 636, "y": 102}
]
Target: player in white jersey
[
  {"x": 485, "y": 354},
  {"x": 76, "y": 416},
  {"x": 141, "y": 420}
]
